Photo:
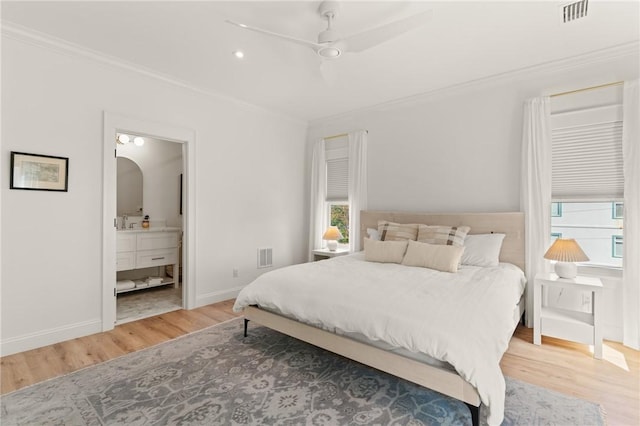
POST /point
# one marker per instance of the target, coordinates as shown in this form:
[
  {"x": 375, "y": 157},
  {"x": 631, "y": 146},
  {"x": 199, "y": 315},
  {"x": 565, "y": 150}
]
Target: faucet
[{"x": 124, "y": 221}]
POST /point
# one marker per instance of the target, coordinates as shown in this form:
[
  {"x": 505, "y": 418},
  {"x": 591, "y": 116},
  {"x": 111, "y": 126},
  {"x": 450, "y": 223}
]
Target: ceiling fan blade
[
  {"x": 373, "y": 37},
  {"x": 306, "y": 43}
]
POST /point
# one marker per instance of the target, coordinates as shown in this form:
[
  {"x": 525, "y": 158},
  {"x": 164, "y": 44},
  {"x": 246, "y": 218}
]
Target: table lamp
[
  {"x": 332, "y": 235},
  {"x": 566, "y": 252}
]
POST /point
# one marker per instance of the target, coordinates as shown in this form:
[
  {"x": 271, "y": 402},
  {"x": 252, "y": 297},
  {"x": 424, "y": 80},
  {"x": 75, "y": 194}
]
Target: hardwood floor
[{"x": 565, "y": 367}]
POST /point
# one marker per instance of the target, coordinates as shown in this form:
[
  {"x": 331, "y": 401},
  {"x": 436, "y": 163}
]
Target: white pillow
[
  {"x": 482, "y": 249},
  {"x": 384, "y": 251},
  {"x": 433, "y": 256},
  {"x": 373, "y": 234}
]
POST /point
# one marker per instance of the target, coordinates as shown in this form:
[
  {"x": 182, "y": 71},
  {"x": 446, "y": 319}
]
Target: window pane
[
  {"x": 556, "y": 209},
  {"x": 617, "y": 246},
  {"x": 593, "y": 228},
  {"x": 618, "y": 210},
  {"x": 340, "y": 218}
]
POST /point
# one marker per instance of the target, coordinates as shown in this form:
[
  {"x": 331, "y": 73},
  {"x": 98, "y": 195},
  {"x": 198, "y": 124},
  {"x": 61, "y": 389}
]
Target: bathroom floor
[{"x": 139, "y": 304}]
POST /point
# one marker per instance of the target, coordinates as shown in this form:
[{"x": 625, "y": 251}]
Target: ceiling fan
[{"x": 331, "y": 45}]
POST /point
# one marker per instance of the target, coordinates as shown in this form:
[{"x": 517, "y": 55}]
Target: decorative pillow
[
  {"x": 433, "y": 256},
  {"x": 443, "y": 235},
  {"x": 373, "y": 234},
  {"x": 482, "y": 249},
  {"x": 390, "y": 231},
  {"x": 384, "y": 251}
]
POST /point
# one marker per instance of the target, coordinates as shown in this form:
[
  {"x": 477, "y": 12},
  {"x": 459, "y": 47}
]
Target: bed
[{"x": 458, "y": 357}]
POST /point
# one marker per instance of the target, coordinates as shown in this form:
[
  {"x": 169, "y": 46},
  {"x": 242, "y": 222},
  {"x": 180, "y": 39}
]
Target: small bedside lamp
[
  {"x": 332, "y": 235},
  {"x": 566, "y": 252}
]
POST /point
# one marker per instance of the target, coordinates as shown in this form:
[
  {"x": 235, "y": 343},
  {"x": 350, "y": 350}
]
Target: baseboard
[
  {"x": 612, "y": 332},
  {"x": 217, "y": 296},
  {"x": 42, "y": 338}
]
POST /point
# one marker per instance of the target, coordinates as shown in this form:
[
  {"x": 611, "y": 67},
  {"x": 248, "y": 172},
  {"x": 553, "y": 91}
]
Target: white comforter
[{"x": 465, "y": 318}]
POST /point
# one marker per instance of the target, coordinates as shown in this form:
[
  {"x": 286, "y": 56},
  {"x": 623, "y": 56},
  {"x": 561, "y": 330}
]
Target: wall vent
[
  {"x": 265, "y": 257},
  {"x": 572, "y": 11}
]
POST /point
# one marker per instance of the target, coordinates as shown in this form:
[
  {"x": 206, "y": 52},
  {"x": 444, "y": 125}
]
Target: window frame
[{"x": 559, "y": 209}]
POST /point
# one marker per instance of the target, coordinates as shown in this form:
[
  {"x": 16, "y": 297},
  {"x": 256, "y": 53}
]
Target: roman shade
[
  {"x": 337, "y": 155},
  {"x": 587, "y": 155},
  {"x": 337, "y": 179}
]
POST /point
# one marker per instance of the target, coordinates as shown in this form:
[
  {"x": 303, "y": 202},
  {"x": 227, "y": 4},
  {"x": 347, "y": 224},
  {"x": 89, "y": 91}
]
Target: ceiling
[{"x": 464, "y": 41}]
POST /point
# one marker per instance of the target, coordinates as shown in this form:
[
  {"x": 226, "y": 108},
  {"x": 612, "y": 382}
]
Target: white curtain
[
  {"x": 631, "y": 241},
  {"x": 357, "y": 185},
  {"x": 318, "y": 214},
  {"x": 535, "y": 199}
]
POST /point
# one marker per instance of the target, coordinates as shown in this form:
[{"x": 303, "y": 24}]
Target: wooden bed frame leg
[
  {"x": 246, "y": 323},
  {"x": 475, "y": 414}
]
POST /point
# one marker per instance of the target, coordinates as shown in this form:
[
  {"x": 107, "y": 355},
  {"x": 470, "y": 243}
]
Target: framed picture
[{"x": 39, "y": 172}]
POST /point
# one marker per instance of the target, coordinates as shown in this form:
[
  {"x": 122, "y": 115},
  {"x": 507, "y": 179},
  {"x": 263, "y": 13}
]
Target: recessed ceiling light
[
  {"x": 138, "y": 141},
  {"x": 123, "y": 139},
  {"x": 238, "y": 54}
]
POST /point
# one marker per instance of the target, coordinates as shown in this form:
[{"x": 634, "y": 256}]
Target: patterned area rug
[{"x": 217, "y": 377}]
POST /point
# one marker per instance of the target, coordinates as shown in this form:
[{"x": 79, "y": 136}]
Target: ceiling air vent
[{"x": 572, "y": 11}]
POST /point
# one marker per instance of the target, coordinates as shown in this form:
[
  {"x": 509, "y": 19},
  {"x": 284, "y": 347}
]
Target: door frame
[{"x": 114, "y": 123}]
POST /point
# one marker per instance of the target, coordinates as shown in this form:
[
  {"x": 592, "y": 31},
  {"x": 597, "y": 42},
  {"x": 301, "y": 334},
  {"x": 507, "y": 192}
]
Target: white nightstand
[
  {"x": 582, "y": 327},
  {"x": 321, "y": 254}
]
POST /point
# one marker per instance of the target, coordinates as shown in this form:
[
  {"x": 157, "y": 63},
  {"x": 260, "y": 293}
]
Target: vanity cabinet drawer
[
  {"x": 125, "y": 261},
  {"x": 157, "y": 240},
  {"x": 125, "y": 242},
  {"x": 158, "y": 257}
]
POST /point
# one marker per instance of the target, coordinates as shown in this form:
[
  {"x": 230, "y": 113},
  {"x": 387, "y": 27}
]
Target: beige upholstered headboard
[{"x": 510, "y": 223}]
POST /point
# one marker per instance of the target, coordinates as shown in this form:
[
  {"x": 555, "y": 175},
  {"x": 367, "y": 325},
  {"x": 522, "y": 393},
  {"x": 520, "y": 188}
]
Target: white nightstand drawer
[{"x": 159, "y": 257}]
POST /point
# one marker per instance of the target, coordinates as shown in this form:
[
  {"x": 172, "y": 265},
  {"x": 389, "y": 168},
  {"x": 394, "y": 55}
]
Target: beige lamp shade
[
  {"x": 332, "y": 233},
  {"x": 566, "y": 250}
]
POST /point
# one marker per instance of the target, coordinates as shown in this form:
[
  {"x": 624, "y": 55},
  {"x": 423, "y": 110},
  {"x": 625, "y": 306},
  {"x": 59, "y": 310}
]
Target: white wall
[
  {"x": 458, "y": 150},
  {"x": 161, "y": 165},
  {"x": 249, "y": 178}
]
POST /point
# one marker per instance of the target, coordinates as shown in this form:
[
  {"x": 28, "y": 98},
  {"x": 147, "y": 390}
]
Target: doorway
[
  {"x": 154, "y": 266},
  {"x": 149, "y": 231}
]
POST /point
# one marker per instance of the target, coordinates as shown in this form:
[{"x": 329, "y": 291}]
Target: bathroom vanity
[{"x": 144, "y": 248}]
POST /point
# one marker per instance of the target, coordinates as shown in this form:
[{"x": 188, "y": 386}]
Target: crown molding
[
  {"x": 46, "y": 41},
  {"x": 631, "y": 49}
]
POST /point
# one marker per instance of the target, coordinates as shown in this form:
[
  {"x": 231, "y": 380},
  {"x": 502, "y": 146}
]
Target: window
[
  {"x": 617, "y": 210},
  {"x": 339, "y": 216},
  {"x": 591, "y": 225},
  {"x": 556, "y": 235},
  {"x": 616, "y": 246},
  {"x": 586, "y": 175},
  {"x": 338, "y": 186}
]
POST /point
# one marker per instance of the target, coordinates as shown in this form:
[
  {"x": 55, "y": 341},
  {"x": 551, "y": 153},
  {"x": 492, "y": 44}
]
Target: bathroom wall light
[{"x": 124, "y": 139}]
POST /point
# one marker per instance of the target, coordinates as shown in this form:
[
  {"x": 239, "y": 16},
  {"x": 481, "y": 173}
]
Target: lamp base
[
  {"x": 566, "y": 269},
  {"x": 332, "y": 245}
]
